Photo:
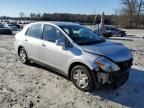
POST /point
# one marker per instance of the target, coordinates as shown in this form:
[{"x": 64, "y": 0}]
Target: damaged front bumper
[{"x": 114, "y": 79}]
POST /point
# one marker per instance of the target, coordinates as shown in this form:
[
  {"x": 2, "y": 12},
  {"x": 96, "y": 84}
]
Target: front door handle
[
  {"x": 26, "y": 40},
  {"x": 43, "y": 45}
]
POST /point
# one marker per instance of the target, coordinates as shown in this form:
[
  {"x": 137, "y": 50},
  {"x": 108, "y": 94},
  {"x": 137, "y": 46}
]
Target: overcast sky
[{"x": 14, "y": 7}]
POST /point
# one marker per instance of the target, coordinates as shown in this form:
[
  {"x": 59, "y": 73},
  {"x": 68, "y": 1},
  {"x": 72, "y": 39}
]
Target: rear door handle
[{"x": 43, "y": 45}]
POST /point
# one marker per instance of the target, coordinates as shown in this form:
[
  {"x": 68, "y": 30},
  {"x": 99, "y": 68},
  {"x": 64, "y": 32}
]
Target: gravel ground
[
  {"x": 135, "y": 32},
  {"x": 32, "y": 86}
]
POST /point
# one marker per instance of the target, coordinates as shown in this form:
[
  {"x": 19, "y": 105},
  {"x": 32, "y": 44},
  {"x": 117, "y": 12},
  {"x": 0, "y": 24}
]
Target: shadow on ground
[{"x": 131, "y": 36}]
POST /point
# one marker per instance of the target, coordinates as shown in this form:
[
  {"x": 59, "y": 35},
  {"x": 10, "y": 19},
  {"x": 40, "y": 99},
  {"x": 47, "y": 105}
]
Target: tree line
[
  {"x": 131, "y": 15},
  {"x": 66, "y": 17}
]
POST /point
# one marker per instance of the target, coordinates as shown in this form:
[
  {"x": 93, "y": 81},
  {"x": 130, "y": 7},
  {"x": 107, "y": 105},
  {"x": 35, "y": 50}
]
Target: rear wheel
[
  {"x": 119, "y": 35},
  {"x": 82, "y": 78},
  {"x": 23, "y": 56}
]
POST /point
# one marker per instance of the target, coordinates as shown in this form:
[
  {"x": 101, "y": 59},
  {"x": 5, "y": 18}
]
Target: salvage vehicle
[
  {"x": 10, "y": 26},
  {"x": 105, "y": 34},
  {"x": 75, "y": 51},
  {"x": 115, "y": 31},
  {"x": 5, "y": 30}
]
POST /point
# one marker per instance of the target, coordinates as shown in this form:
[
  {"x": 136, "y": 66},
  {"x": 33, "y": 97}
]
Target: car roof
[
  {"x": 58, "y": 23},
  {"x": 65, "y": 23}
]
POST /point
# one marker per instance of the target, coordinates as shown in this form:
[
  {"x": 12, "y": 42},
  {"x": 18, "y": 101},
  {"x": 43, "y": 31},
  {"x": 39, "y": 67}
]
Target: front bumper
[
  {"x": 112, "y": 79},
  {"x": 120, "y": 77}
]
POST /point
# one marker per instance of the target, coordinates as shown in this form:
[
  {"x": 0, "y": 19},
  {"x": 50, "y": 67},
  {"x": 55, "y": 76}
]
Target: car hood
[{"x": 114, "y": 51}]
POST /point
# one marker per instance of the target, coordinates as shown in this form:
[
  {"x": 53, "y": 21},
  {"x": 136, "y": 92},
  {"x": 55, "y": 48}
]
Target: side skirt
[{"x": 49, "y": 67}]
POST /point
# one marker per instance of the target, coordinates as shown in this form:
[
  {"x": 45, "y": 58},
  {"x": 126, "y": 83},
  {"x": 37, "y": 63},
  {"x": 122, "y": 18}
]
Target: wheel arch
[{"x": 75, "y": 64}]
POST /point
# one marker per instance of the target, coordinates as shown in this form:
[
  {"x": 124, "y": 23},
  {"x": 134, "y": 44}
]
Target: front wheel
[{"x": 82, "y": 78}]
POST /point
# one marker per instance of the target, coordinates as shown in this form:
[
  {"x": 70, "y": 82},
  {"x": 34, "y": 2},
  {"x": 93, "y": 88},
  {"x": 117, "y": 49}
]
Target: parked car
[
  {"x": 106, "y": 34},
  {"x": 17, "y": 25},
  {"x": 10, "y": 26},
  {"x": 115, "y": 31},
  {"x": 76, "y": 52},
  {"x": 4, "y": 30}
]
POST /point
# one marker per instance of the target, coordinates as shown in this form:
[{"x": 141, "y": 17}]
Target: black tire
[
  {"x": 119, "y": 35},
  {"x": 123, "y": 34},
  {"x": 86, "y": 71},
  {"x": 23, "y": 56}
]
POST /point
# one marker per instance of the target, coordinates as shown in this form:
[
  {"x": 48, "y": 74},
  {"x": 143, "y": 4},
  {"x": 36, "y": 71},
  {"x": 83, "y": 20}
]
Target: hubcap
[
  {"x": 81, "y": 78},
  {"x": 23, "y": 56}
]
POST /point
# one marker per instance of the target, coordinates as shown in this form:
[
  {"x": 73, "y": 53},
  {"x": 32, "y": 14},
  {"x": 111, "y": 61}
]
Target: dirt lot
[{"x": 23, "y": 86}]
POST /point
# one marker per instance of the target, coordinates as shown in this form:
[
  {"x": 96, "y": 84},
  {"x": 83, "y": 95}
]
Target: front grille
[
  {"x": 126, "y": 64},
  {"x": 123, "y": 73}
]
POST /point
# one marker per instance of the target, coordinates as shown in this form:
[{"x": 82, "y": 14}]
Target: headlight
[{"x": 107, "y": 65}]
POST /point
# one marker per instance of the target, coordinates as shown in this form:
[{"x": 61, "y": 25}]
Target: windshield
[{"x": 81, "y": 35}]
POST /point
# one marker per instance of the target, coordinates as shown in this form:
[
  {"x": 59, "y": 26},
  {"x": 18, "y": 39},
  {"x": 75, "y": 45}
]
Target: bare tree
[
  {"x": 130, "y": 10},
  {"x": 140, "y": 5},
  {"x": 94, "y": 20},
  {"x": 116, "y": 17},
  {"x": 32, "y": 16},
  {"x": 21, "y": 14}
]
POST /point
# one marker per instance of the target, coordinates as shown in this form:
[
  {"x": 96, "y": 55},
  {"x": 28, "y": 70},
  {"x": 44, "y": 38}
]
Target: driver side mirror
[{"x": 60, "y": 42}]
